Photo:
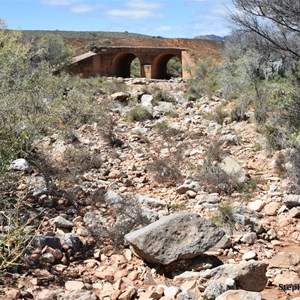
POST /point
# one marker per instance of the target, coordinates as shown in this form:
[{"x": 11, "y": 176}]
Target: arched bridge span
[{"x": 116, "y": 61}]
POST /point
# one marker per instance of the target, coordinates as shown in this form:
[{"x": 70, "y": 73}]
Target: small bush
[
  {"x": 178, "y": 207},
  {"x": 138, "y": 114},
  {"x": 15, "y": 238},
  {"x": 224, "y": 216},
  {"x": 162, "y": 95},
  {"x": 165, "y": 171},
  {"x": 294, "y": 171},
  {"x": 114, "y": 86},
  {"x": 219, "y": 115},
  {"x": 256, "y": 147},
  {"x": 214, "y": 179},
  {"x": 171, "y": 114},
  {"x": 165, "y": 130},
  {"x": 280, "y": 163},
  {"x": 128, "y": 216},
  {"x": 238, "y": 113},
  {"x": 275, "y": 137},
  {"x": 79, "y": 160},
  {"x": 204, "y": 80},
  {"x": 214, "y": 152},
  {"x": 108, "y": 131}
]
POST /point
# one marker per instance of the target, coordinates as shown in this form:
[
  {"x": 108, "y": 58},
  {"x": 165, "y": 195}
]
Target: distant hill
[
  {"x": 82, "y": 40},
  {"x": 211, "y": 37},
  {"x": 84, "y": 35}
]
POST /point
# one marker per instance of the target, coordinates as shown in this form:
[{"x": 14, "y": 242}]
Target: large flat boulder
[{"x": 173, "y": 237}]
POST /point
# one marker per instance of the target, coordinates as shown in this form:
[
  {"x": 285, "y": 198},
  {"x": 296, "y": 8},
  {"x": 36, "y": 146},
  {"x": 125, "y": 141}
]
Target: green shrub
[
  {"x": 114, "y": 86},
  {"x": 135, "y": 68},
  {"x": 160, "y": 94},
  {"x": 204, "y": 80},
  {"x": 171, "y": 114},
  {"x": 219, "y": 115},
  {"x": 224, "y": 215},
  {"x": 138, "y": 114},
  {"x": 238, "y": 112},
  {"x": 165, "y": 130},
  {"x": 174, "y": 68},
  {"x": 15, "y": 238}
]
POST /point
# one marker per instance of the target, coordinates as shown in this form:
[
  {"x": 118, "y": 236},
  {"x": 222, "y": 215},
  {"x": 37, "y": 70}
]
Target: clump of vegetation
[
  {"x": 15, "y": 238},
  {"x": 165, "y": 130},
  {"x": 135, "y": 68},
  {"x": 204, "y": 80},
  {"x": 239, "y": 111},
  {"x": 162, "y": 95},
  {"x": 165, "y": 171},
  {"x": 215, "y": 179},
  {"x": 212, "y": 177},
  {"x": 178, "y": 207},
  {"x": 35, "y": 103},
  {"x": 138, "y": 114},
  {"x": 114, "y": 86},
  {"x": 127, "y": 214},
  {"x": 174, "y": 68},
  {"x": 224, "y": 216},
  {"x": 171, "y": 114},
  {"x": 219, "y": 115},
  {"x": 280, "y": 165}
]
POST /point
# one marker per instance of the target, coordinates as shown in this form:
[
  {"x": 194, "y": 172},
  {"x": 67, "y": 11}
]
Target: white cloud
[
  {"x": 216, "y": 28},
  {"x": 131, "y": 13},
  {"x": 164, "y": 28},
  {"x": 140, "y": 4},
  {"x": 80, "y": 9},
  {"x": 59, "y": 2},
  {"x": 137, "y": 9}
]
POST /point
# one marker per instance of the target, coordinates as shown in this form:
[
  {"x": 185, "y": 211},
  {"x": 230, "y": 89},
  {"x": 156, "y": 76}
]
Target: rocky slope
[{"x": 139, "y": 225}]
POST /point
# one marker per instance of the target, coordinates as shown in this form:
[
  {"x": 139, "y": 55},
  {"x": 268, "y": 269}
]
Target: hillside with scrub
[{"x": 134, "y": 188}]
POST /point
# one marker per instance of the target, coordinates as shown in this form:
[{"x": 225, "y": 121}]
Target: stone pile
[{"x": 164, "y": 223}]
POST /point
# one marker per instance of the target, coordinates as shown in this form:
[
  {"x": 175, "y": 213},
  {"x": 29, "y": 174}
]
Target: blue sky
[{"x": 167, "y": 18}]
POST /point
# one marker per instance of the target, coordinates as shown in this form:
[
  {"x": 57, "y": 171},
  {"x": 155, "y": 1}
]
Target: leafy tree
[
  {"x": 53, "y": 50},
  {"x": 2, "y": 24}
]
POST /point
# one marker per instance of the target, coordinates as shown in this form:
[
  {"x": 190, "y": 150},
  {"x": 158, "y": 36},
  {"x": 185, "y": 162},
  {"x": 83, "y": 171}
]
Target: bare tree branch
[{"x": 277, "y": 22}]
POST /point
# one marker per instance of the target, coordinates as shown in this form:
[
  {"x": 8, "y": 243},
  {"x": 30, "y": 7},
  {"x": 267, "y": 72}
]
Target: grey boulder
[
  {"x": 239, "y": 295},
  {"x": 173, "y": 237},
  {"x": 291, "y": 200},
  {"x": 250, "y": 276}
]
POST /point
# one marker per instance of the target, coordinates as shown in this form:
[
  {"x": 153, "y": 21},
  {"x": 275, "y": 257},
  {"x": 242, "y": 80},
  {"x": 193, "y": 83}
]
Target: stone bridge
[{"x": 116, "y": 62}]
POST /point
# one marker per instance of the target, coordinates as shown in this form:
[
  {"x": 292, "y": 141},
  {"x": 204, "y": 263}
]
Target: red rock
[
  {"x": 120, "y": 274},
  {"x": 128, "y": 294},
  {"x": 133, "y": 275}
]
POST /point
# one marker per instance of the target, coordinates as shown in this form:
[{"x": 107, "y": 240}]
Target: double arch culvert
[{"x": 116, "y": 62}]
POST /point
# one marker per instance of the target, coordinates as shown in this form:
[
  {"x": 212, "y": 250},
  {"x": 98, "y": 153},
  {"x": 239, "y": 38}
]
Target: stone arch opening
[
  {"x": 135, "y": 68},
  {"x": 121, "y": 64},
  {"x": 159, "y": 66},
  {"x": 174, "y": 67}
]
